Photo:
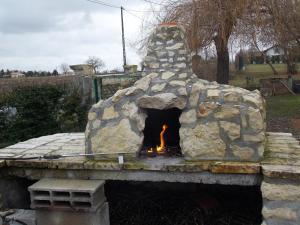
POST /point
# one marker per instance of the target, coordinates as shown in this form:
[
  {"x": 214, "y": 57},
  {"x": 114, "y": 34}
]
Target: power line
[
  {"x": 118, "y": 7},
  {"x": 103, "y": 3},
  {"x": 133, "y": 14}
]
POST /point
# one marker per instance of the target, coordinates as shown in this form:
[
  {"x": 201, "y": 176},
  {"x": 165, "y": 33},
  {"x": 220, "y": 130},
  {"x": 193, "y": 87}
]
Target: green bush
[{"x": 30, "y": 112}]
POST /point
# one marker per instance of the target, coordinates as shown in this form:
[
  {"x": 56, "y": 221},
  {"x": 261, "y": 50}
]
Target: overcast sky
[{"x": 42, "y": 34}]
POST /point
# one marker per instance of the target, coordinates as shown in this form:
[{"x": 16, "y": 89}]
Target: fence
[{"x": 100, "y": 86}]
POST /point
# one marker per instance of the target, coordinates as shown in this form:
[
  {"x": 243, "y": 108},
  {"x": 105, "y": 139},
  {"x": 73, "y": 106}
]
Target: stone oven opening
[{"x": 161, "y": 133}]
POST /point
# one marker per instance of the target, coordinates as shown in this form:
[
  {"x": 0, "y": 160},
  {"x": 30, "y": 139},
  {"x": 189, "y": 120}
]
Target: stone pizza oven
[{"x": 201, "y": 120}]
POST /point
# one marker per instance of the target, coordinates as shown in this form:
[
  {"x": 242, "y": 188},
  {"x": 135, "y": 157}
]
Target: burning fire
[{"x": 161, "y": 148}]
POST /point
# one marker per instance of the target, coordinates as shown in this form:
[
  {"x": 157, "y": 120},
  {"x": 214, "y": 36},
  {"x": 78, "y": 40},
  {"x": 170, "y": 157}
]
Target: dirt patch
[
  {"x": 296, "y": 125},
  {"x": 281, "y": 124}
]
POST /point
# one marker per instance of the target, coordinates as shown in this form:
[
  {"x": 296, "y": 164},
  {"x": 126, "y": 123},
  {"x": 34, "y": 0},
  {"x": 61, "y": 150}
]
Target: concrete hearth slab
[{"x": 282, "y": 158}]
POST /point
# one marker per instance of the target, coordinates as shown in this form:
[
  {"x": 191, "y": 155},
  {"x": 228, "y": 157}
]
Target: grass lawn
[
  {"x": 257, "y": 72},
  {"x": 264, "y": 69},
  {"x": 283, "y": 106}
]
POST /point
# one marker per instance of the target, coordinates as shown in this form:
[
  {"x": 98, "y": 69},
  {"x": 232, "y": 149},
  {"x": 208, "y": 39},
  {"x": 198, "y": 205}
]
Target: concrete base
[
  {"x": 47, "y": 217},
  {"x": 126, "y": 175}
]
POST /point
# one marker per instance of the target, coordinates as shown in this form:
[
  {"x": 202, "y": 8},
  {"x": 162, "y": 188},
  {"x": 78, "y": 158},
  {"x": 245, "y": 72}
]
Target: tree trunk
[
  {"x": 223, "y": 67},
  {"x": 222, "y": 60},
  {"x": 291, "y": 67},
  {"x": 290, "y": 64}
]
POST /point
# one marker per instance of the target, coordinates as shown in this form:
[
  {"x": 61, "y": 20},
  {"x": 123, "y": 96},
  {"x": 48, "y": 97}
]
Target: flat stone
[
  {"x": 163, "y": 60},
  {"x": 110, "y": 113},
  {"x": 143, "y": 83},
  {"x": 260, "y": 137},
  {"x": 188, "y": 117},
  {"x": 233, "y": 130},
  {"x": 254, "y": 98},
  {"x": 279, "y": 134},
  {"x": 281, "y": 171},
  {"x": 153, "y": 65},
  {"x": 175, "y": 46},
  {"x": 182, "y": 52},
  {"x": 132, "y": 91},
  {"x": 244, "y": 153},
  {"x": 280, "y": 192},
  {"x": 202, "y": 142},
  {"x": 161, "y": 54},
  {"x": 177, "y": 83},
  {"x": 180, "y": 65},
  {"x": 235, "y": 167},
  {"x": 213, "y": 93},
  {"x": 98, "y": 104},
  {"x": 114, "y": 139},
  {"x": 166, "y": 65},
  {"x": 232, "y": 96},
  {"x": 130, "y": 110},
  {"x": 227, "y": 112},
  {"x": 167, "y": 75},
  {"x": 161, "y": 101},
  {"x": 244, "y": 121},
  {"x": 279, "y": 213},
  {"x": 256, "y": 121},
  {"x": 182, "y": 75},
  {"x": 118, "y": 95},
  {"x": 206, "y": 108},
  {"x": 181, "y": 58},
  {"x": 182, "y": 91},
  {"x": 96, "y": 124},
  {"x": 171, "y": 54},
  {"x": 195, "y": 92},
  {"x": 92, "y": 115},
  {"x": 158, "y": 87}
]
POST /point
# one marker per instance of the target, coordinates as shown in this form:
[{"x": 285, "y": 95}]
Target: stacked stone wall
[{"x": 281, "y": 201}]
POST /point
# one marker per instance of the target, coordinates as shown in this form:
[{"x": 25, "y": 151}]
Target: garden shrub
[{"x": 30, "y": 112}]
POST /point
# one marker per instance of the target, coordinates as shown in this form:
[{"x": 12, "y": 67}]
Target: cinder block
[
  {"x": 49, "y": 217},
  {"x": 67, "y": 194}
]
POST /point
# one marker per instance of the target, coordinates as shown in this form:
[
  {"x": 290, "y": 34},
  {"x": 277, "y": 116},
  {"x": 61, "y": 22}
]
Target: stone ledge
[
  {"x": 280, "y": 191},
  {"x": 203, "y": 177},
  {"x": 281, "y": 171},
  {"x": 157, "y": 164},
  {"x": 235, "y": 167}
]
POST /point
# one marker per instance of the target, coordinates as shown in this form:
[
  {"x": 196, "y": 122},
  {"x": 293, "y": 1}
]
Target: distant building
[
  {"x": 83, "y": 69},
  {"x": 16, "y": 74},
  {"x": 274, "y": 54}
]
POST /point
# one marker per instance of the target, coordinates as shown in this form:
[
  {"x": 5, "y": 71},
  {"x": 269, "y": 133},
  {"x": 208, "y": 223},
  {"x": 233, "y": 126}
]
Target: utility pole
[{"x": 123, "y": 39}]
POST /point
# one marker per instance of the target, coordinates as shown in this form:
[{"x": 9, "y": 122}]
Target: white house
[
  {"x": 274, "y": 54},
  {"x": 16, "y": 74}
]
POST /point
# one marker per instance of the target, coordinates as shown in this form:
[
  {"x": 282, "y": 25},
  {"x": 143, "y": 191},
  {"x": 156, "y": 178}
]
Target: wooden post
[{"x": 96, "y": 89}]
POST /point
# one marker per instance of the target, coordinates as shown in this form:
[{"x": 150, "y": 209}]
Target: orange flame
[{"x": 160, "y": 149}]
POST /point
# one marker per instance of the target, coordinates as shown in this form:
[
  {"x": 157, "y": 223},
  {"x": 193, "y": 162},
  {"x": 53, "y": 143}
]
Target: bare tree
[
  {"x": 286, "y": 28},
  {"x": 64, "y": 67},
  {"x": 274, "y": 22},
  {"x": 95, "y": 62}
]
